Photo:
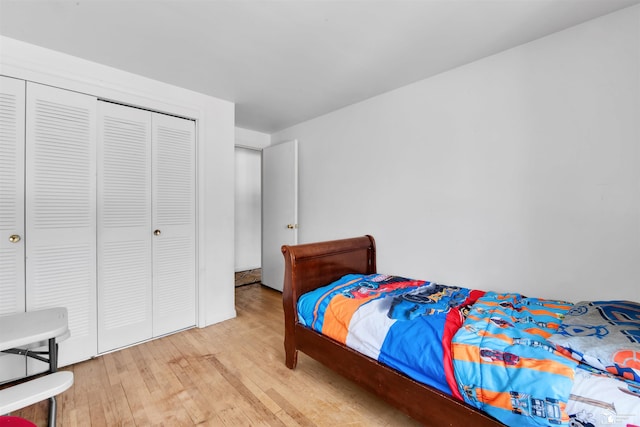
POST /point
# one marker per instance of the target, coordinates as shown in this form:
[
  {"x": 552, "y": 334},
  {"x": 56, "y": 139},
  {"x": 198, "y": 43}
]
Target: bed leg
[{"x": 291, "y": 355}]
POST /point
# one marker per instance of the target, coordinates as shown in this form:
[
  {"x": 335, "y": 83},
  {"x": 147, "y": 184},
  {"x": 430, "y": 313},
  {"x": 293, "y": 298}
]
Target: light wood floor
[{"x": 228, "y": 374}]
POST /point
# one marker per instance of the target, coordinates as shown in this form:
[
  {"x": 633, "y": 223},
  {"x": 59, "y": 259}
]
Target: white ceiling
[{"x": 284, "y": 62}]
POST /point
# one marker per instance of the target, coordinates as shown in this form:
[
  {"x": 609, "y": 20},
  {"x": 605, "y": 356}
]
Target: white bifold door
[
  {"x": 173, "y": 219},
  {"x": 124, "y": 226},
  {"x": 47, "y": 221},
  {"x": 12, "y": 268},
  {"x": 60, "y": 212},
  {"x": 12, "y": 116},
  {"x": 97, "y": 203},
  {"x": 146, "y": 225}
]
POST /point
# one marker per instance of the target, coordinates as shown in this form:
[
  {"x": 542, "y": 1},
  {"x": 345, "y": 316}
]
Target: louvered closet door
[
  {"x": 173, "y": 170},
  {"x": 12, "y": 102},
  {"x": 124, "y": 226},
  {"x": 61, "y": 212}
]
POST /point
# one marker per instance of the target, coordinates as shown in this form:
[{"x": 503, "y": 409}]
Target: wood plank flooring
[{"x": 228, "y": 374}]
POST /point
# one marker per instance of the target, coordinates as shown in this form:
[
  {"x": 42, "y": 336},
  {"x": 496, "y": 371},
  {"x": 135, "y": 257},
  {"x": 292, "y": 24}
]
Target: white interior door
[
  {"x": 279, "y": 208},
  {"x": 12, "y": 294},
  {"x": 173, "y": 216},
  {"x": 124, "y": 226},
  {"x": 60, "y": 215}
]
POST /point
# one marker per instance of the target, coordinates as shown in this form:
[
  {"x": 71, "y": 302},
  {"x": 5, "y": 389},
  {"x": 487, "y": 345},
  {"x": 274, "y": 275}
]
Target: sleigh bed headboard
[{"x": 312, "y": 265}]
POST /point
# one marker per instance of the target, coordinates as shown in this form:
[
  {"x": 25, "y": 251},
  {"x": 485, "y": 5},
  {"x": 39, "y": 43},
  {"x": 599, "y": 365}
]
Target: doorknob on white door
[
  {"x": 292, "y": 226},
  {"x": 157, "y": 232},
  {"x": 14, "y": 238}
]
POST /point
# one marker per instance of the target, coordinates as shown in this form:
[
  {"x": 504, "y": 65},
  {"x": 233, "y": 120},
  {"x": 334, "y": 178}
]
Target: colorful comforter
[
  {"x": 605, "y": 337},
  {"x": 494, "y": 351},
  {"x": 505, "y": 365},
  {"x": 405, "y": 324}
]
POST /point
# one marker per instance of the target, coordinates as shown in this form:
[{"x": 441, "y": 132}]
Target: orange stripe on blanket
[
  {"x": 502, "y": 337},
  {"x": 338, "y": 314},
  {"x": 533, "y": 330},
  {"x": 471, "y": 353},
  {"x": 316, "y": 308},
  {"x": 465, "y": 352},
  {"x": 541, "y": 312},
  {"x": 524, "y": 404},
  {"x": 495, "y": 398},
  {"x": 537, "y": 331}
]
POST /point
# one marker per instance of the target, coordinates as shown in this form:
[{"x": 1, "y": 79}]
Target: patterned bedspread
[
  {"x": 406, "y": 324},
  {"x": 498, "y": 345},
  {"x": 505, "y": 365}
]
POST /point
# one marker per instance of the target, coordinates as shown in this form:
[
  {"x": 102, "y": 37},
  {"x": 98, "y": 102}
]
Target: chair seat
[
  {"x": 33, "y": 391},
  {"x": 15, "y": 422}
]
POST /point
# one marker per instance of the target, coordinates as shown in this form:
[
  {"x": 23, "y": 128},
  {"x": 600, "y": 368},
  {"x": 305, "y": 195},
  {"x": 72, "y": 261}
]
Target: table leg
[
  {"x": 53, "y": 355},
  {"x": 53, "y": 367}
]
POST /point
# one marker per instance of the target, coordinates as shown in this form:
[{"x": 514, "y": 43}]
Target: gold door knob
[
  {"x": 292, "y": 226},
  {"x": 157, "y": 232},
  {"x": 14, "y": 238}
]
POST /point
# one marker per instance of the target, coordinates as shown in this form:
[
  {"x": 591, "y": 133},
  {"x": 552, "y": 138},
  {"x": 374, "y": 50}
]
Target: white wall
[
  {"x": 517, "y": 172},
  {"x": 252, "y": 139},
  {"x": 215, "y": 143},
  {"x": 248, "y": 197}
]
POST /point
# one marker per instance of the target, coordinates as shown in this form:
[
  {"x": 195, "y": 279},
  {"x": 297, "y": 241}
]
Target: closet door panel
[
  {"x": 124, "y": 226},
  {"x": 173, "y": 170},
  {"x": 12, "y": 299},
  {"x": 61, "y": 212},
  {"x": 12, "y": 104}
]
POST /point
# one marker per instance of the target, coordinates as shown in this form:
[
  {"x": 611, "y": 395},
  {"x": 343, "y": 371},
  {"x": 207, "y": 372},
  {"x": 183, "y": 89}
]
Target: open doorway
[{"x": 248, "y": 215}]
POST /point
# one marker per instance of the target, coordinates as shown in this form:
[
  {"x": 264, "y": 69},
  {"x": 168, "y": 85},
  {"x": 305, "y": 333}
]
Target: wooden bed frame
[{"x": 312, "y": 265}]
